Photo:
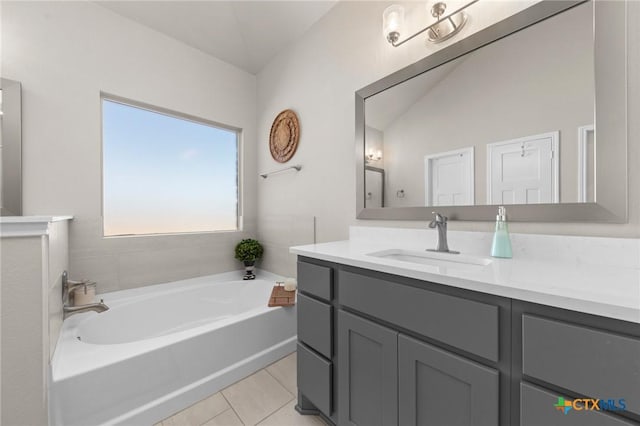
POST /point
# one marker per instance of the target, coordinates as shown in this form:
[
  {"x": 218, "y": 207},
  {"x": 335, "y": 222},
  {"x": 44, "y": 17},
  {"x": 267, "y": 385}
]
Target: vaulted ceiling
[{"x": 247, "y": 34}]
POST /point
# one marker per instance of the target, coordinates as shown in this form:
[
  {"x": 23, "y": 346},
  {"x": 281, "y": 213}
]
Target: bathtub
[{"x": 161, "y": 348}]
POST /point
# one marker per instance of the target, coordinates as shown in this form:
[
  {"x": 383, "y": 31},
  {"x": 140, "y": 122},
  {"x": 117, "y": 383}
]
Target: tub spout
[{"x": 96, "y": 307}]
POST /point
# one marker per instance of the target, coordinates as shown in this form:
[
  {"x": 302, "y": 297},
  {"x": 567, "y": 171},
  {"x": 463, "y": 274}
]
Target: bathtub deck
[{"x": 267, "y": 397}]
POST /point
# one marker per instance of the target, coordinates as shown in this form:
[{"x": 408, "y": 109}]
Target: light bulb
[{"x": 392, "y": 22}]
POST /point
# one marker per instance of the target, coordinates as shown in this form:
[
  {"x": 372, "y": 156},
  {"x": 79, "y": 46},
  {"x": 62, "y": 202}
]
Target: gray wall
[
  {"x": 345, "y": 51},
  {"x": 65, "y": 53}
]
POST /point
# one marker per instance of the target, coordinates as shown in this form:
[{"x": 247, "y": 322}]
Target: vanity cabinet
[
  {"x": 387, "y": 379},
  {"x": 368, "y": 372},
  {"x": 466, "y": 324},
  {"x": 380, "y": 349}
]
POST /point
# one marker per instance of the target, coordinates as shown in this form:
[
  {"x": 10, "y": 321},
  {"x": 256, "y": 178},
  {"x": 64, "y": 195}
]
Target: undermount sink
[{"x": 424, "y": 257}]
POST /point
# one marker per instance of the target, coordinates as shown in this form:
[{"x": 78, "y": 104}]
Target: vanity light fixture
[
  {"x": 447, "y": 24},
  {"x": 373, "y": 157}
]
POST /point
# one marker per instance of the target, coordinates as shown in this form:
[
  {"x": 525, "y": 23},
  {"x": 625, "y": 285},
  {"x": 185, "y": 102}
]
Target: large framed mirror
[
  {"x": 529, "y": 113},
  {"x": 10, "y": 148}
]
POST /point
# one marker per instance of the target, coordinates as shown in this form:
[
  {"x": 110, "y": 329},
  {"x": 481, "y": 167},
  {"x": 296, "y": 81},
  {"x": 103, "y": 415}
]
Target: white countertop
[{"x": 611, "y": 291}]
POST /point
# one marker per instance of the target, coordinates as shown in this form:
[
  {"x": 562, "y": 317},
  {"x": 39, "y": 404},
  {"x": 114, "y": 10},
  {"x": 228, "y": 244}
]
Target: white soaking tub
[{"x": 159, "y": 349}]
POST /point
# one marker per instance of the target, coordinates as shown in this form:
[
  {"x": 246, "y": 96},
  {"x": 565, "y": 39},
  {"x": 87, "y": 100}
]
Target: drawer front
[
  {"x": 465, "y": 324},
  {"x": 590, "y": 362},
  {"x": 537, "y": 408},
  {"x": 316, "y": 280},
  {"x": 314, "y": 379},
  {"x": 314, "y": 324}
]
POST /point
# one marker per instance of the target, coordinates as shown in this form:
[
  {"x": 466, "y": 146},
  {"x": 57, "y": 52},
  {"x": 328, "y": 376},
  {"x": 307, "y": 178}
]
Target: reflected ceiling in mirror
[{"x": 509, "y": 123}]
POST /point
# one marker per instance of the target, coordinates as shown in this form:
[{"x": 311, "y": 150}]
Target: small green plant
[{"x": 249, "y": 250}]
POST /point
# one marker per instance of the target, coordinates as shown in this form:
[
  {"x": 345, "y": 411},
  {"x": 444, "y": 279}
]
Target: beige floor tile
[
  {"x": 288, "y": 416},
  {"x": 199, "y": 412},
  {"x": 284, "y": 371},
  {"x": 256, "y": 397},
  {"x": 228, "y": 418}
]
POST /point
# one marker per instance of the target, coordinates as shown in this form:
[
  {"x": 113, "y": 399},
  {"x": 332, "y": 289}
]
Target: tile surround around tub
[
  {"x": 279, "y": 232},
  {"x": 570, "y": 250},
  {"x": 265, "y": 398},
  {"x": 120, "y": 263}
]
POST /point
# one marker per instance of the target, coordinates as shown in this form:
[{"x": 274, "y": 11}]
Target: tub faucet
[
  {"x": 440, "y": 223},
  {"x": 95, "y": 307},
  {"x": 67, "y": 288}
]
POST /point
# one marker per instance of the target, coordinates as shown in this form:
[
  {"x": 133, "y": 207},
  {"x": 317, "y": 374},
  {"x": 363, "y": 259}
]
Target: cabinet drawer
[
  {"x": 314, "y": 379},
  {"x": 314, "y": 324},
  {"x": 316, "y": 280},
  {"x": 537, "y": 408},
  {"x": 590, "y": 362},
  {"x": 465, "y": 324}
]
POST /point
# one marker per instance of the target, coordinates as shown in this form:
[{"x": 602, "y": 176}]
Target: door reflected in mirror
[{"x": 509, "y": 123}]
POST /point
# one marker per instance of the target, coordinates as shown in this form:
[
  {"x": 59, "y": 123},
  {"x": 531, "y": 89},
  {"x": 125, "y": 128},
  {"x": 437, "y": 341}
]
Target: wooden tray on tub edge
[{"x": 281, "y": 297}]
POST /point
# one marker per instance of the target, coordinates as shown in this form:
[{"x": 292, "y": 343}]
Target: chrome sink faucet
[{"x": 440, "y": 223}]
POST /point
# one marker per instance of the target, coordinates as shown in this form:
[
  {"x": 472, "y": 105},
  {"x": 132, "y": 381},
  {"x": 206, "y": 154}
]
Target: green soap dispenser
[{"x": 501, "y": 246}]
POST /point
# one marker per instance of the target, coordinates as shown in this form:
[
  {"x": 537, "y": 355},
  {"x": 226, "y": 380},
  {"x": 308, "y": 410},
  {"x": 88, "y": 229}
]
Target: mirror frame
[
  {"x": 11, "y": 179},
  {"x": 611, "y": 186}
]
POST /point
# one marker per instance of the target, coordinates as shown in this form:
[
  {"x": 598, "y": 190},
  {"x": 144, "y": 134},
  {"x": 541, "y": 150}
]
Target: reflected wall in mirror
[
  {"x": 509, "y": 123},
  {"x": 375, "y": 184},
  {"x": 460, "y": 133},
  {"x": 10, "y": 148}
]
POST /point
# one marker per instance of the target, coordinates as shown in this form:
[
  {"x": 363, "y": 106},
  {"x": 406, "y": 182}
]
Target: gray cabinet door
[
  {"x": 591, "y": 362},
  {"x": 368, "y": 372},
  {"x": 538, "y": 408},
  {"x": 439, "y": 388}
]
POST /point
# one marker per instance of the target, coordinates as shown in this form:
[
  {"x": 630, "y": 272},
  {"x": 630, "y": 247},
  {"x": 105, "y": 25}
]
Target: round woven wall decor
[{"x": 284, "y": 137}]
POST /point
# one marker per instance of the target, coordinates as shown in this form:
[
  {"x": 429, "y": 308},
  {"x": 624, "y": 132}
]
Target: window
[{"x": 163, "y": 173}]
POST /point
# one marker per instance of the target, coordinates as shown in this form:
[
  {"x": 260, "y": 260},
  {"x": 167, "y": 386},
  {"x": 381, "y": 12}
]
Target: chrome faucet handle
[
  {"x": 438, "y": 220},
  {"x": 439, "y": 217},
  {"x": 69, "y": 285}
]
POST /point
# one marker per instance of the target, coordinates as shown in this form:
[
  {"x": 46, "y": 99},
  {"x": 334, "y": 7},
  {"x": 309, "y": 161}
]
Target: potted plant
[{"x": 248, "y": 251}]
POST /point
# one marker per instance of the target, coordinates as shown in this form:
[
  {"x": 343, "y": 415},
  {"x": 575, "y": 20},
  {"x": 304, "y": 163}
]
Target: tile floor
[{"x": 266, "y": 398}]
